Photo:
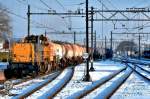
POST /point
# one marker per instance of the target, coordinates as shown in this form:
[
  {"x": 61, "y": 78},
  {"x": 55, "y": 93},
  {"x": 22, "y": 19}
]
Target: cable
[
  {"x": 25, "y": 3},
  {"x": 70, "y": 25},
  {"x": 78, "y": 4},
  {"x": 61, "y": 5},
  {"x": 45, "y": 4},
  {"x": 65, "y": 23},
  {"x": 108, "y": 9},
  {"x": 24, "y": 18},
  {"x": 111, "y": 4}
]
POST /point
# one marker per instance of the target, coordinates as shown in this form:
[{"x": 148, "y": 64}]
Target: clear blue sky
[{"x": 19, "y": 7}]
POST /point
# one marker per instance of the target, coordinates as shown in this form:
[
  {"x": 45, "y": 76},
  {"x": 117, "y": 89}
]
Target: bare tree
[{"x": 5, "y": 27}]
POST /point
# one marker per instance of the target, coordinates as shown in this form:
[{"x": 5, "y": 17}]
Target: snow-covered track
[
  {"x": 16, "y": 82},
  {"x": 131, "y": 61},
  {"x": 36, "y": 87},
  {"x": 95, "y": 85},
  {"x": 113, "y": 87},
  {"x": 54, "y": 87},
  {"x": 135, "y": 63},
  {"x": 140, "y": 74},
  {"x": 19, "y": 81},
  {"x": 143, "y": 69}
]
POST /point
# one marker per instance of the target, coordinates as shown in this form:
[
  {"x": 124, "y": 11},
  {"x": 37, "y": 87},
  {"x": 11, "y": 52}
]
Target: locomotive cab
[{"x": 26, "y": 56}]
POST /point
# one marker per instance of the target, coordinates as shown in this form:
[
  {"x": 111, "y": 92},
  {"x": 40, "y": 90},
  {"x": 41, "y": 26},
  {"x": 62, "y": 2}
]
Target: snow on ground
[
  {"x": 146, "y": 74},
  {"x": 51, "y": 87},
  {"x": 142, "y": 60},
  {"x": 23, "y": 87},
  {"x": 103, "y": 69},
  {"x": 133, "y": 88},
  {"x": 146, "y": 67},
  {"x": 100, "y": 92},
  {"x": 13, "y": 81}
]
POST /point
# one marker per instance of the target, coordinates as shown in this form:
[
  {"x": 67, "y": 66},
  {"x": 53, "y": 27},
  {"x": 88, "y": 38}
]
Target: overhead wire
[
  {"x": 139, "y": 26},
  {"x": 57, "y": 15},
  {"x": 70, "y": 21},
  {"x": 45, "y": 4},
  {"x": 24, "y": 18},
  {"x": 49, "y": 8},
  {"x": 25, "y": 3},
  {"x": 33, "y": 21},
  {"x": 108, "y": 9},
  {"x": 61, "y": 5}
]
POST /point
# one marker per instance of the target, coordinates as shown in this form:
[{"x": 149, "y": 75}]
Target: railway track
[
  {"x": 22, "y": 88},
  {"x": 19, "y": 81},
  {"x": 34, "y": 86},
  {"x": 147, "y": 71},
  {"x": 113, "y": 85},
  {"x": 16, "y": 82},
  {"x": 107, "y": 90},
  {"x": 131, "y": 61},
  {"x": 49, "y": 88},
  {"x": 135, "y": 63},
  {"x": 144, "y": 75},
  {"x": 87, "y": 90}
]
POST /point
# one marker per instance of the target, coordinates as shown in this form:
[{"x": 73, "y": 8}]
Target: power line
[
  {"x": 111, "y": 4},
  {"x": 51, "y": 9},
  {"x": 25, "y": 3},
  {"x": 70, "y": 25},
  {"x": 45, "y": 4},
  {"x": 24, "y": 18},
  {"x": 60, "y": 4},
  {"x": 77, "y": 4}
]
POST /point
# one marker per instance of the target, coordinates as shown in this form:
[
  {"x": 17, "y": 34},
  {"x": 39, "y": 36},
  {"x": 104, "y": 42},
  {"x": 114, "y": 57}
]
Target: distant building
[{"x": 126, "y": 48}]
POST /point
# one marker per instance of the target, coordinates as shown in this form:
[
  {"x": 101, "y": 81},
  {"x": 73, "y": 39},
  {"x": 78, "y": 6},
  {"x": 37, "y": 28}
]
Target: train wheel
[
  {"x": 34, "y": 74},
  {"x": 42, "y": 68}
]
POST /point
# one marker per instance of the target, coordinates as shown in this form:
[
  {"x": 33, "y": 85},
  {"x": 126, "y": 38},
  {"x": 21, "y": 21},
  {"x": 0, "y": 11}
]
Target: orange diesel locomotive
[{"x": 36, "y": 55}]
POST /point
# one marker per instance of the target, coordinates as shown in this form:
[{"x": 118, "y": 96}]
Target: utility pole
[
  {"x": 87, "y": 75},
  {"x": 92, "y": 68},
  {"x": 95, "y": 40},
  {"x": 139, "y": 46},
  {"x": 74, "y": 35},
  {"x": 105, "y": 46},
  {"x": 45, "y": 33},
  {"x": 111, "y": 41},
  {"x": 28, "y": 15},
  {"x": 84, "y": 41}
]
